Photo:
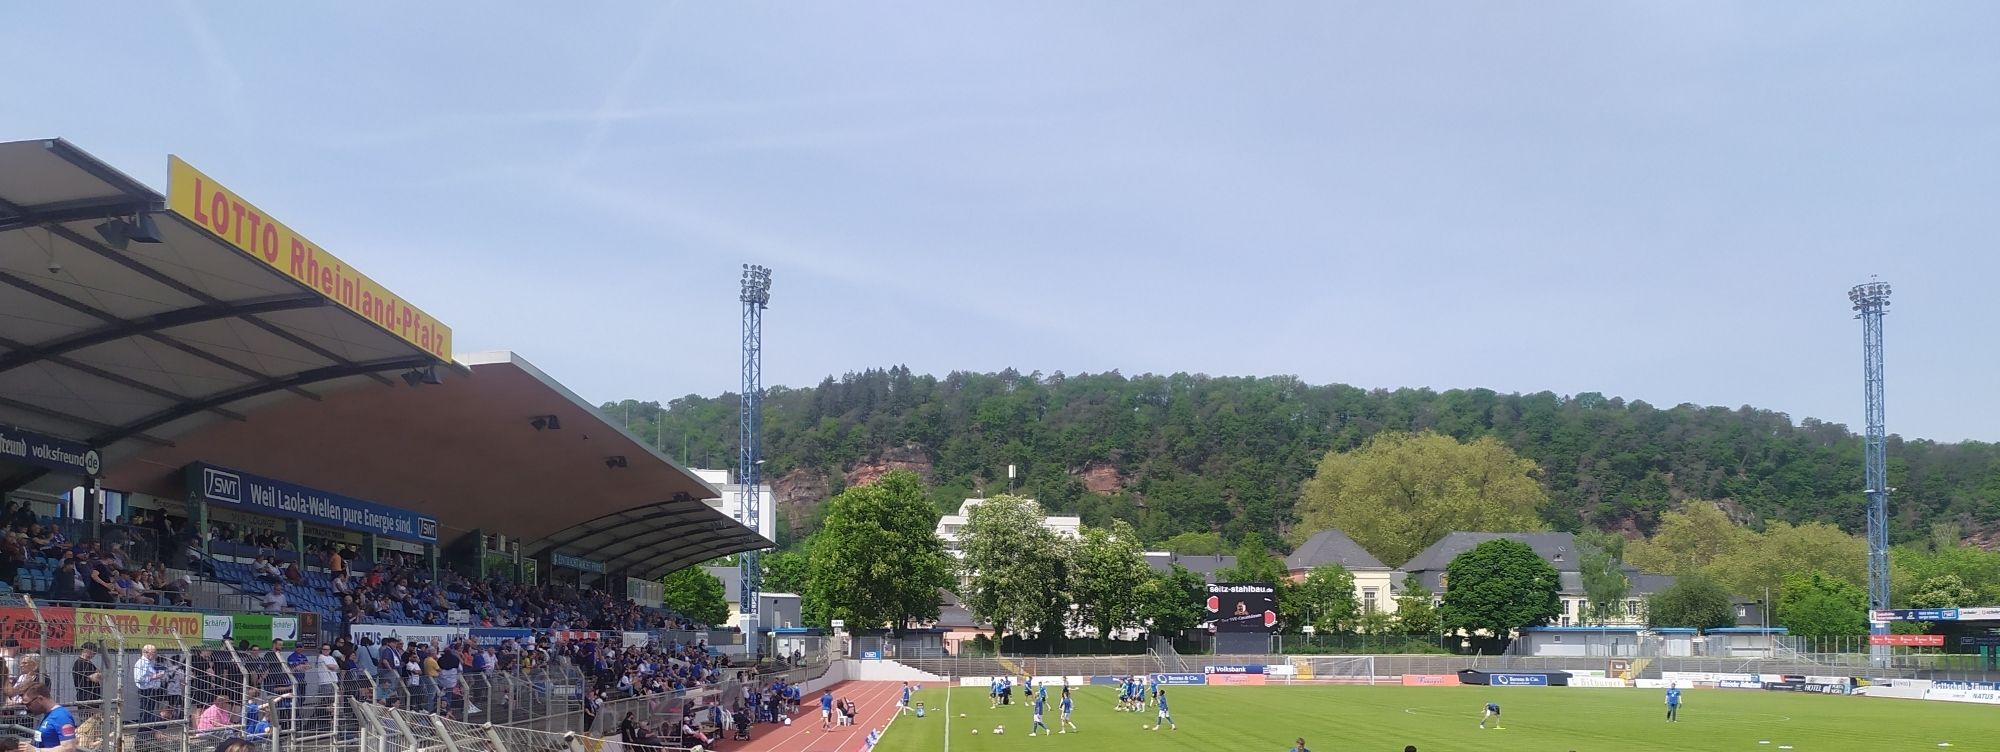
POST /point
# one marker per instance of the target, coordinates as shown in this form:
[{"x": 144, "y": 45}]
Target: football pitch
[{"x": 1446, "y": 719}]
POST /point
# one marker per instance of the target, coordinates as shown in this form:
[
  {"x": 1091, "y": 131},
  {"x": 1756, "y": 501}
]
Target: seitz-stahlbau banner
[
  {"x": 1241, "y": 607},
  {"x": 260, "y": 495},
  {"x": 49, "y": 452}
]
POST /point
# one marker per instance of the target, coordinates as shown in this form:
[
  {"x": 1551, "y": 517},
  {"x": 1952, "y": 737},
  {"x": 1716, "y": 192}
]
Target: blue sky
[{"x": 1662, "y": 201}]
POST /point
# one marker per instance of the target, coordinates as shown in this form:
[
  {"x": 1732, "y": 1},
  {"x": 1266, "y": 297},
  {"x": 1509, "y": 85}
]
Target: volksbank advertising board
[
  {"x": 48, "y": 452},
  {"x": 260, "y": 495}
]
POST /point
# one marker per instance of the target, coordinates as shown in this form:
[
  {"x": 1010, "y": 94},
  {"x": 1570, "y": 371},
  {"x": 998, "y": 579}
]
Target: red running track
[{"x": 874, "y": 706}]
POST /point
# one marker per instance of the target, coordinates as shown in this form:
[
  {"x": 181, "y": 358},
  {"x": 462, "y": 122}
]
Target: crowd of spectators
[{"x": 120, "y": 568}]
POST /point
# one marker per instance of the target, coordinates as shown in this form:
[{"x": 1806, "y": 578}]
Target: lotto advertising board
[{"x": 1241, "y": 607}]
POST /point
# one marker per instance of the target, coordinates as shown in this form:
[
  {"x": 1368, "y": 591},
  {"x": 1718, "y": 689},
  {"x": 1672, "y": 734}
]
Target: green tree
[
  {"x": 1815, "y": 604},
  {"x": 1943, "y": 591},
  {"x": 1169, "y": 602},
  {"x": 1324, "y": 599},
  {"x": 1692, "y": 601},
  {"x": 876, "y": 560},
  {"x": 1401, "y": 492},
  {"x": 1601, "y": 566},
  {"x": 1375, "y": 623},
  {"x": 1689, "y": 539},
  {"x": 1499, "y": 586},
  {"x": 1017, "y": 569},
  {"x": 696, "y": 594},
  {"x": 1976, "y": 569},
  {"x": 1105, "y": 575},
  {"x": 1254, "y": 564},
  {"x": 1415, "y": 613},
  {"x": 1194, "y": 544},
  {"x": 1784, "y": 549},
  {"x": 785, "y": 571}
]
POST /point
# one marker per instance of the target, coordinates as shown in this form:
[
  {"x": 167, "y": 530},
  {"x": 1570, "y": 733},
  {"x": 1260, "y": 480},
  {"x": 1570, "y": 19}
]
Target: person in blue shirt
[
  {"x": 1160, "y": 699},
  {"x": 1492, "y": 713},
  {"x": 993, "y": 693},
  {"x": 58, "y": 729},
  {"x": 1067, "y": 726},
  {"x": 1040, "y": 702},
  {"x": 826, "y": 711},
  {"x": 904, "y": 705},
  {"x": 1673, "y": 704},
  {"x": 1154, "y": 689}
]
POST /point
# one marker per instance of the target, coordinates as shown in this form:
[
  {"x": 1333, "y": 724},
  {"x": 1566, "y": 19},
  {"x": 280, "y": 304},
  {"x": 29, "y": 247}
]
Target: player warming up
[
  {"x": 826, "y": 711},
  {"x": 1492, "y": 714},
  {"x": 1673, "y": 704},
  {"x": 1041, "y": 702},
  {"x": 1167, "y": 718},
  {"x": 1066, "y": 707},
  {"x": 904, "y": 705}
]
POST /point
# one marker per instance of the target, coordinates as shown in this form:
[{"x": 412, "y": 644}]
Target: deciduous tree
[
  {"x": 1601, "y": 566},
  {"x": 1415, "y": 613},
  {"x": 1499, "y": 586},
  {"x": 1693, "y": 601},
  {"x": 1017, "y": 569},
  {"x": 1169, "y": 602},
  {"x": 1254, "y": 563},
  {"x": 1325, "y": 599},
  {"x": 1107, "y": 569},
  {"x": 1689, "y": 539},
  {"x": 1815, "y": 604},
  {"x": 877, "y": 561},
  {"x": 1401, "y": 492},
  {"x": 696, "y": 594}
]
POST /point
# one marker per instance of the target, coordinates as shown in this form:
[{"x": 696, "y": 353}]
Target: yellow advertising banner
[
  {"x": 138, "y": 627},
  {"x": 201, "y": 200}
]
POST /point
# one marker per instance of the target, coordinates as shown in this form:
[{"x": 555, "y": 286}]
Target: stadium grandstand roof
[
  {"x": 126, "y": 348},
  {"x": 195, "y": 349}
]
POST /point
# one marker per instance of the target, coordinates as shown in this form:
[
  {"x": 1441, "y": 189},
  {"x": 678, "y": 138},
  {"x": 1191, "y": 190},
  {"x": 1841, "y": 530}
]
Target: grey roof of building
[
  {"x": 1206, "y": 566},
  {"x": 1332, "y": 547},
  {"x": 1558, "y": 549}
]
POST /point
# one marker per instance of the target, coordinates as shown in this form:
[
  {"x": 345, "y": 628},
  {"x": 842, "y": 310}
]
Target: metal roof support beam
[
  {"x": 14, "y": 216},
  {"x": 124, "y": 381},
  {"x": 64, "y": 301},
  {"x": 291, "y": 382},
  {"x": 583, "y": 531},
  {"x": 126, "y": 260},
  {"x": 29, "y": 407},
  {"x": 22, "y": 355}
]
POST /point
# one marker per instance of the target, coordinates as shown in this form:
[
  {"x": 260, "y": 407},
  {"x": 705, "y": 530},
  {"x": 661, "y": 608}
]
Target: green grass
[{"x": 1446, "y": 719}]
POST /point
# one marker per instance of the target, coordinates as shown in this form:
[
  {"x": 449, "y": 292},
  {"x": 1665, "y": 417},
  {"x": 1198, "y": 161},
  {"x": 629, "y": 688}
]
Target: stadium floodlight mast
[
  {"x": 1871, "y": 301},
  {"x": 756, "y": 296}
]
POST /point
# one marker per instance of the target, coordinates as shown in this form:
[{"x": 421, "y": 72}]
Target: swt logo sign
[{"x": 221, "y": 486}]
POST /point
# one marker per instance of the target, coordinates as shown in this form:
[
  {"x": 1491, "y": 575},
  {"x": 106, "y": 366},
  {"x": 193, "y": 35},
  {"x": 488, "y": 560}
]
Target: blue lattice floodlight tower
[
  {"x": 750, "y": 430},
  {"x": 1870, "y": 301}
]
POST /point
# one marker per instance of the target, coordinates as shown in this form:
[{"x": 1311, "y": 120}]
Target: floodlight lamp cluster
[
  {"x": 615, "y": 461},
  {"x": 119, "y": 232},
  {"x": 1870, "y": 294},
  {"x": 756, "y": 284},
  {"x": 422, "y": 376},
  {"x": 546, "y": 423}
]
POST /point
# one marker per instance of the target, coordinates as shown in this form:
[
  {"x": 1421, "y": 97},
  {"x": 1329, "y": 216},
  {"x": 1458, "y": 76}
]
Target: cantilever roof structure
[
  {"x": 127, "y": 348},
  {"x": 468, "y": 452},
  {"x": 195, "y": 349}
]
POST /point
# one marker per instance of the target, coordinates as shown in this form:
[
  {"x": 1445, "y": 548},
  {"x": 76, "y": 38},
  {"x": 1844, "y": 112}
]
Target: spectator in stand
[
  {"x": 86, "y": 677},
  {"x": 149, "y": 676},
  {"x": 70, "y": 583},
  {"x": 267, "y": 571},
  {"x": 274, "y": 601}
]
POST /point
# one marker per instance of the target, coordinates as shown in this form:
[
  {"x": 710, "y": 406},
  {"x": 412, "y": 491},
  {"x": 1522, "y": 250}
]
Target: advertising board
[
  {"x": 1908, "y": 640},
  {"x": 260, "y": 495},
  {"x": 232, "y": 219},
  {"x": 137, "y": 627},
  {"x": 1241, "y": 607},
  {"x": 1241, "y": 680},
  {"x": 1180, "y": 679},
  {"x": 49, "y": 452},
  {"x": 1249, "y": 669},
  {"x": 379, "y": 632},
  {"x": 1430, "y": 680},
  {"x": 55, "y": 628},
  {"x": 1518, "y": 680}
]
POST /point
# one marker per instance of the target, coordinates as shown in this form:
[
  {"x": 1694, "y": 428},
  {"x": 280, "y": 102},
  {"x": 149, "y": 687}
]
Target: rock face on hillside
[
  {"x": 906, "y": 457},
  {"x": 801, "y": 491},
  {"x": 1101, "y": 478}
]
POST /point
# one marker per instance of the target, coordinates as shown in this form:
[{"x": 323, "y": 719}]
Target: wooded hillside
[{"x": 1181, "y": 453}]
